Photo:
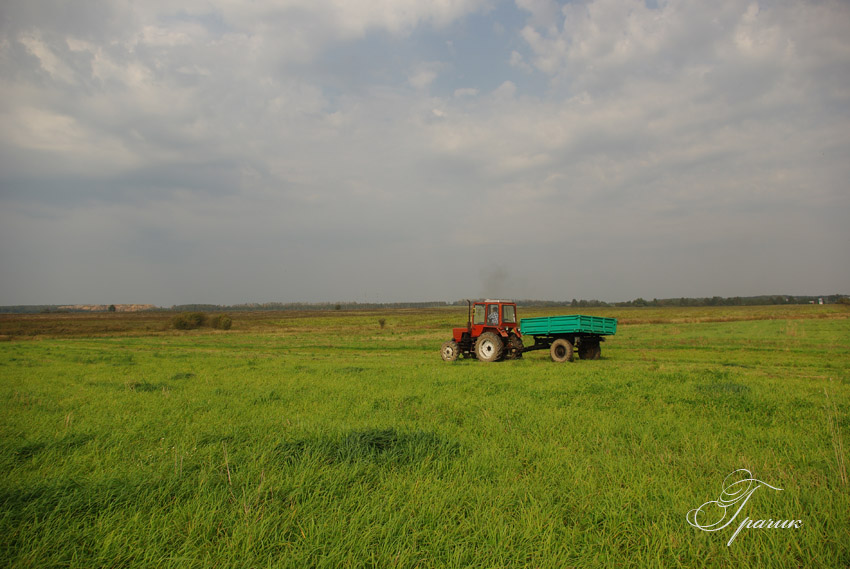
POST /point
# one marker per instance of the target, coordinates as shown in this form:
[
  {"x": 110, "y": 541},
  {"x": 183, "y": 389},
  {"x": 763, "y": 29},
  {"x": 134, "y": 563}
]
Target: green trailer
[{"x": 562, "y": 335}]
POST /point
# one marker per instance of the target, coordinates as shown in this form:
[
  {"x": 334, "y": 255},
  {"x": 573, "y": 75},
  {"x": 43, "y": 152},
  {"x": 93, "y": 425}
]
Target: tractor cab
[
  {"x": 492, "y": 333},
  {"x": 494, "y": 313}
]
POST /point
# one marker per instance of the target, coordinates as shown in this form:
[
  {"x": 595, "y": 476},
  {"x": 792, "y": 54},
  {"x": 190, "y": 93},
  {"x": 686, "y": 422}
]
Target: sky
[{"x": 214, "y": 151}]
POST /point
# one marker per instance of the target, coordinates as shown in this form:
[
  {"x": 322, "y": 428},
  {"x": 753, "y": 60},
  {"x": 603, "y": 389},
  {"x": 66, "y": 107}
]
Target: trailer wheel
[
  {"x": 450, "y": 351},
  {"x": 488, "y": 347},
  {"x": 589, "y": 351},
  {"x": 561, "y": 351}
]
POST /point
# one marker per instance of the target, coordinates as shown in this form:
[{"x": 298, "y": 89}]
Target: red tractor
[{"x": 491, "y": 333}]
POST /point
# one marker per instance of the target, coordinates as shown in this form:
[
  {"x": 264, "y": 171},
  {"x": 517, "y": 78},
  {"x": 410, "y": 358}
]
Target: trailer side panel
[{"x": 568, "y": 324}]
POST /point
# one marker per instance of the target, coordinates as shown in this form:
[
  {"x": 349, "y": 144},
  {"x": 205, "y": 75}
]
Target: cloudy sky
[{"x": 220, "y": 151}]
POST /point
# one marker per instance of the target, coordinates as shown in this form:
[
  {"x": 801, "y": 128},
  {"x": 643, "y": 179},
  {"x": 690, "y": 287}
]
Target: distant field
[
  {"x": 324, "y": 439},
  {"x": 28, "y": 326}
]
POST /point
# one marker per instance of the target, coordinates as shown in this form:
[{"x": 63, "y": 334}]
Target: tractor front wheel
[
  {"x": 450, "y": 351},
  {"x": 561, "y": 351},
  {"x": 488, "y": 347}
]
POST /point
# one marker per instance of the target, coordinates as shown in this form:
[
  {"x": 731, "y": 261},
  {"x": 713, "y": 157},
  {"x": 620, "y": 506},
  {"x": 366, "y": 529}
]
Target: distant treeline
[
  {"x": 707, "y": 301},
  {"x": 259, "y": 306},
  {"x": 574, "y": 303},
  {"x": 41, "y": 309},
  {"x": 764, "y": 300}
]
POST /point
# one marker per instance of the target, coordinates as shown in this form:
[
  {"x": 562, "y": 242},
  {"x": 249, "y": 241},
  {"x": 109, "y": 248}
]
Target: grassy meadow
[{"x": 330, "y": 439}]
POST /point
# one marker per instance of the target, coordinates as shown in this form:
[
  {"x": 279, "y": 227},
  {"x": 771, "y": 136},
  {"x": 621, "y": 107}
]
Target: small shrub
[
  {"x": 382, "y": 322},
  {"x": 221, "y": 322},
  {"x": 189, "y": 320},
  {"x": 180, "y": 322}
]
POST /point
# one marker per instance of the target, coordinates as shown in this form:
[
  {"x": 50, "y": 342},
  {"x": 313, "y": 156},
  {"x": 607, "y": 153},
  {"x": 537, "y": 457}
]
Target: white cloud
[
  {"x": 67, "y": 146},
  {"x": 518, "y": 61},
  {"x": 466, "y": 92},
  {"x": 506, "y": 90},
  {"x": 543, "y": 12},
  {"x": 423, "y": 76}
]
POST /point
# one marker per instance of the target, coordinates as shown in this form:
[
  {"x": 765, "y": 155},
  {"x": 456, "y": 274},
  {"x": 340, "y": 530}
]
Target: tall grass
[{"x": 332, "y": 441}]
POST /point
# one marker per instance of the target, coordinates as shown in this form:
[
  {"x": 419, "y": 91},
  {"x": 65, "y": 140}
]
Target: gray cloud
[{"x": 208, "y": 152}]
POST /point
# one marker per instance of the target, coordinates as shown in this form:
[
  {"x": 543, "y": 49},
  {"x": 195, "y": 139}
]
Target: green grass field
[{"x": 327, "y": 440}]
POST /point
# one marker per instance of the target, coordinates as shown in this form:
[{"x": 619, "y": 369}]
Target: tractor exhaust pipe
[{"x": 469, "y": 320}]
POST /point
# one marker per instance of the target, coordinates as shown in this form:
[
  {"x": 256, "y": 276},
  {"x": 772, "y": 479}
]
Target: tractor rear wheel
[
  {"x": 450, "y": 351},
  {"x": 561, "y": 351},
  {"x": 488, "y": 347}
]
